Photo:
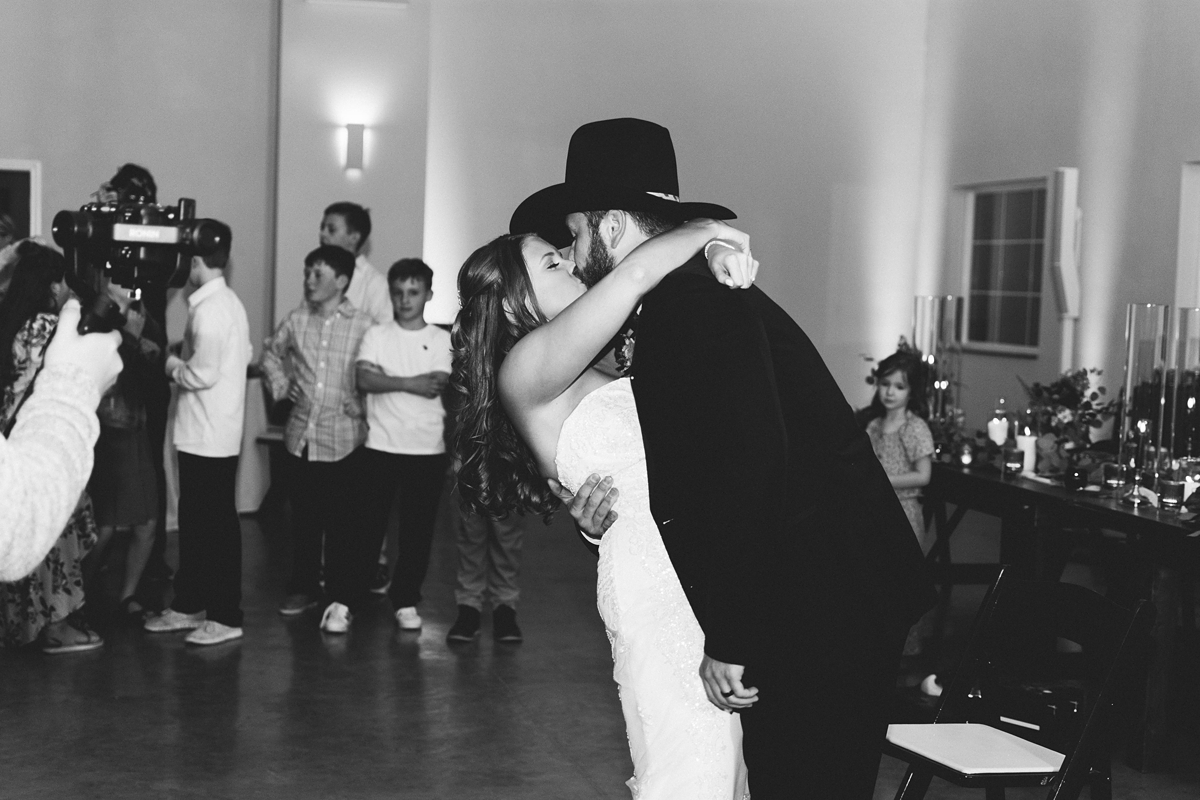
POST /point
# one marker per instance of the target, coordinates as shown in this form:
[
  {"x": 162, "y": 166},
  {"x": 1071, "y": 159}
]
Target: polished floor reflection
[{"x": 290, "y": 712}]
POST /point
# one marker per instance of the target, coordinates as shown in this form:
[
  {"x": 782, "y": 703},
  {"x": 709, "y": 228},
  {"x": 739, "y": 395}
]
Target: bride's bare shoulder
[{"x": 540, "y": 424}]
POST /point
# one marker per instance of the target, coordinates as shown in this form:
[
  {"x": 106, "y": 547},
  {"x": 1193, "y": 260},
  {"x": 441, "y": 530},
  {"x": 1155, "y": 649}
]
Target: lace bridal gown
[{"x": 682, "y": 746}]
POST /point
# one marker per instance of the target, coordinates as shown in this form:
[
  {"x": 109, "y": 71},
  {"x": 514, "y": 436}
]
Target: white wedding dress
[{"x": 682, "y": 746}]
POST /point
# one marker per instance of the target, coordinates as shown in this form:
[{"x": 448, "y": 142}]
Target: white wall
[
  {"x": 347, "y": 63},
  {"x": 804, "y": 117},
  {"x": 181, "y": 87},
  {"x": 1110, "y": 86},
  {"x": 836, "y": 130}
]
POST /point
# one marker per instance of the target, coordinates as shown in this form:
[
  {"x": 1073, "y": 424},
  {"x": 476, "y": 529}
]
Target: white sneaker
[
  {"x": 336, "y": 619},
  {"x": 172, "y": 620},
  {"x": 212, "y": 632},
  {"x": 408, "y": 619}
]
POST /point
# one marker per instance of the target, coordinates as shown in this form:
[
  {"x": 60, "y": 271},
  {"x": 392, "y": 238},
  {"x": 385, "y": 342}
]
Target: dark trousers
[
  {"x": 157, "y": 573},
  {"x": 325, "y": 522},
  {"x": 817, "y": 731},
  {"x": 210, "y": 540},
  {"x": 415, "y": 484}
]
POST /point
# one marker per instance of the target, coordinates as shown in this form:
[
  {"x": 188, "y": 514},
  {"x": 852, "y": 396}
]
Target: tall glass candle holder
[
  {"x": 937, "y": 334},
  {"x": 1144, "y": 395},
  {"x": 1183, "y": 387}
]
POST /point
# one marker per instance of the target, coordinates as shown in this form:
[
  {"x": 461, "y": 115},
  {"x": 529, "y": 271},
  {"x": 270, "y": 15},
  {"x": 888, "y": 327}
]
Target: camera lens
[{"x": 71, "y": 228}]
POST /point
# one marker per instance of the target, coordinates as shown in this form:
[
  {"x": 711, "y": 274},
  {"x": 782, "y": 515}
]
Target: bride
[{"x": 531, "y": 407}]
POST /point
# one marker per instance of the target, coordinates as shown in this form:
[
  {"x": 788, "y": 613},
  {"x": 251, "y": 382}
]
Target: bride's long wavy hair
[{"x": 497, "y": 473}]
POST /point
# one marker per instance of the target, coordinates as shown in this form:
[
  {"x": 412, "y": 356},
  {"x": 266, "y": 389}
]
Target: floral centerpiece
[{"x": 1063, "y": 415}]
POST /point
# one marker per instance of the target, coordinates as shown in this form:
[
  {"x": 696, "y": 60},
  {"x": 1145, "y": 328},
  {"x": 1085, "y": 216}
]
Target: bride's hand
[
  {"x": 729, "y": 257},
  {"x": 734, "y": 268}
]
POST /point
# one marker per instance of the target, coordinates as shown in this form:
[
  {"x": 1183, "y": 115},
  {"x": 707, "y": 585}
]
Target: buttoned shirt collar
[
  {"x": 344, "y": 308},
  {"x": 207, "y": 290}
]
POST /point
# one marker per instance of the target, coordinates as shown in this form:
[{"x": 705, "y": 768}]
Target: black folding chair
[{"x": 1022, "y": 708}]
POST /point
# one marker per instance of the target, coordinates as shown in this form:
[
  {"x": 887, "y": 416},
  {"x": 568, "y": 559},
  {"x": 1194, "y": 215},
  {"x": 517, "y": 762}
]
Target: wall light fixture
[{"x": 354, "y": 146}]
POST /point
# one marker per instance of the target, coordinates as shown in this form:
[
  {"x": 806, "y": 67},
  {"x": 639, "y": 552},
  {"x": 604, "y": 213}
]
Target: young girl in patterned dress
[
  {"x": 899, "y": 433},
  {"x": 904, "y": 445}
]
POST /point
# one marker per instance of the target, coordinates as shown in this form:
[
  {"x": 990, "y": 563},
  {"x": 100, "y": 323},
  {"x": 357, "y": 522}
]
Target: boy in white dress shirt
[
  {"x": 402, "y": 367},
  {"x": 208, "y": 435}
]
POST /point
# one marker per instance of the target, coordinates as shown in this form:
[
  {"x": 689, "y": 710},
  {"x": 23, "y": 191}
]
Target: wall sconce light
[{"x": 354, "y": 146}]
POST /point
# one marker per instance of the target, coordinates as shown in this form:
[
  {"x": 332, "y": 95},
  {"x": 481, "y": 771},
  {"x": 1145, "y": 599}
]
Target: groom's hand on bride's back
[{"x": 592, "y": 506}]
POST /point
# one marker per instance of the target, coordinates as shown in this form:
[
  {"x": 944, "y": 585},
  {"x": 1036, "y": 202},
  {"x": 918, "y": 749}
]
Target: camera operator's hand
[
  {"x": 135, "y": 321},
  {"x": 151, "y": 351},
  {"x": 123, "y": 297},
  {"x": 95, "y": 353}
]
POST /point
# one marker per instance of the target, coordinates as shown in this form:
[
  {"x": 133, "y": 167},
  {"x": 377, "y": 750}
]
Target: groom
[{"x": 787, "y": 537}]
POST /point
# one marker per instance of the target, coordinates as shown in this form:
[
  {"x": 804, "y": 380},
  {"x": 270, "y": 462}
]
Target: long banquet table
[{"x": 1033, "y": 518}]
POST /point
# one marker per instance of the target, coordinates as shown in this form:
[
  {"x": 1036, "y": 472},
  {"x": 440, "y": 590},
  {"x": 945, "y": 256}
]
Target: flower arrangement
[{"x": 1064, "y": 413}]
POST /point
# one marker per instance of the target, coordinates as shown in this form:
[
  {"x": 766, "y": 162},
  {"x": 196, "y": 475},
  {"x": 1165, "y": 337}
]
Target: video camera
[{"x": 137, "y": 245}]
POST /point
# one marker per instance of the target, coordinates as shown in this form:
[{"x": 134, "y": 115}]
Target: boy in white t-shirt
[{"x": 402, "y": 367}]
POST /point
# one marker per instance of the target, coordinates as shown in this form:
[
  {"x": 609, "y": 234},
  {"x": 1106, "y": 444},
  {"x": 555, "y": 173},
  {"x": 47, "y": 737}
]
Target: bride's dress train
[{"x": 682, "y": 746}]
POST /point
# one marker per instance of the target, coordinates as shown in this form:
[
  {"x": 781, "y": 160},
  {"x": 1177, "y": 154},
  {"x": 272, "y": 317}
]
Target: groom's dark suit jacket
[{"x": 767, "y": 493}]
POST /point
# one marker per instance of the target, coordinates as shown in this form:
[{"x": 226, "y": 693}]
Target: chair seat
[{"x": 974, "y": 749}]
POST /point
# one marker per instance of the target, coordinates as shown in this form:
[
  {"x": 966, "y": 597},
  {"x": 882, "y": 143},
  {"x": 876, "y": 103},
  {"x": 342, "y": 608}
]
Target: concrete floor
[{"x": 290, "y": 712}]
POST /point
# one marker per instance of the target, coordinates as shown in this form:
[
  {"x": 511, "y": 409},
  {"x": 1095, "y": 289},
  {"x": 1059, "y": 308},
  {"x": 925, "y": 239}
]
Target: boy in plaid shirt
[{"x": 310, "y": 360}]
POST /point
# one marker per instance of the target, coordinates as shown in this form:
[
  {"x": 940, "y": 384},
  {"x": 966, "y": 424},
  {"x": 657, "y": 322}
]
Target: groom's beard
[{"x": 599, "y": 263}]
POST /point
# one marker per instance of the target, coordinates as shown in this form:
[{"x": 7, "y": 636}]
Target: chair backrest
[{"x": 1045, "y": 661}]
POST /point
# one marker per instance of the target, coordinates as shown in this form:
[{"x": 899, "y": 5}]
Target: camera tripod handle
[{"x": 102, "y": 316}]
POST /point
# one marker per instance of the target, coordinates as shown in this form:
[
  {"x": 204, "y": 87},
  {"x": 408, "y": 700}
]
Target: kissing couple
[{"x": 760, "y": 577}]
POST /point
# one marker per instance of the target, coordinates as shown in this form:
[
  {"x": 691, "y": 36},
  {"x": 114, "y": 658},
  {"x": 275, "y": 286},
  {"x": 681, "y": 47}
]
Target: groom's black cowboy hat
[{"x": 626, "y": 164}]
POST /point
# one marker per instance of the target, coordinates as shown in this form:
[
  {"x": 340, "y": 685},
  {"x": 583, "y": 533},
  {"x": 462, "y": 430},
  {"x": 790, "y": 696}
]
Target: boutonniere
[{"x": 624, "y": 354}]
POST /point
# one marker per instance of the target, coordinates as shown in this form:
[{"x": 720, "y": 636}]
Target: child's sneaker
[
  {"x": 172, "y": 620},
  {"x": 408, "y": 619}
]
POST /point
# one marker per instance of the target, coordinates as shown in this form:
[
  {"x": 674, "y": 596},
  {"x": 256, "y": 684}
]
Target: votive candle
[
  {"x": 997, "y": 429},
  {"x": 1027, "y": 444}
]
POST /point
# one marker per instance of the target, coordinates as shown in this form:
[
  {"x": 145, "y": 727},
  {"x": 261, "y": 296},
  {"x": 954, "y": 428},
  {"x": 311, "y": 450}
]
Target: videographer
[
  {"x": 46, "y": 460},
  {"x": 133, "y": 183}
]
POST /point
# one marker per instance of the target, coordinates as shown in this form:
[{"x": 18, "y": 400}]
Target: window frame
[
  {"x": 32, "y": 204},
  {"x": 968, "y": 239}
]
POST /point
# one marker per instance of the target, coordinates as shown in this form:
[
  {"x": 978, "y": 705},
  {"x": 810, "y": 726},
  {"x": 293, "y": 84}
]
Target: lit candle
[
  {"x": 997, "y": 428},
  {"x": 1027, "y": 444}
]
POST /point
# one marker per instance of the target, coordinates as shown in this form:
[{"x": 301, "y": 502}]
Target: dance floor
[{"x": 290, "y": 712}]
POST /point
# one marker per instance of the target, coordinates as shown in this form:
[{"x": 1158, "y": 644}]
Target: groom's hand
[
  {"x": 592, "y": 506},
  {"x": 723, "y": 685}
]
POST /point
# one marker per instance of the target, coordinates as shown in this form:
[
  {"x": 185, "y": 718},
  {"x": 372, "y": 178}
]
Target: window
[{"x": 1005, "y": 256}]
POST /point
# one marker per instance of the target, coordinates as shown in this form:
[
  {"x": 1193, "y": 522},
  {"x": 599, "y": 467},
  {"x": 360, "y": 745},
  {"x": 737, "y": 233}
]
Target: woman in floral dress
[{"x": 46, "y": 605}]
